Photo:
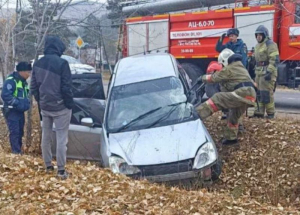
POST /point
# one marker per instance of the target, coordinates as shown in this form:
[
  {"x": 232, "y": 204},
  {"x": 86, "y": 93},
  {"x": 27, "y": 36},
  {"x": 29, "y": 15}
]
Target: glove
[
  {"x": 268, "y": 76},
  {"x": 223, "y": 36},
  {"x": 199, "y": 80}
]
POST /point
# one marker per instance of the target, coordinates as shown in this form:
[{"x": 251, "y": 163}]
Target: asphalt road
[{"x": 288, "y": 100}]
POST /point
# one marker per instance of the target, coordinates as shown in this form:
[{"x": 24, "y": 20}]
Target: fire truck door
[{"x": 247, "y": 22}]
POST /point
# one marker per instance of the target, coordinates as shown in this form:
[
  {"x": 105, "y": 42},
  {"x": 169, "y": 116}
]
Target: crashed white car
[
  {"x": 76, "y": 66},
  {"x": 147, "y": 128}
]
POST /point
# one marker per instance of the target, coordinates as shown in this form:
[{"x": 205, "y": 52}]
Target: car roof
[{"x": 144, "y": 68}]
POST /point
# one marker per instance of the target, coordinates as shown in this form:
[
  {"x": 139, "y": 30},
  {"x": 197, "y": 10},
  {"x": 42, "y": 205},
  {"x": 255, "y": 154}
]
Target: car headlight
[
  {"x": 206, "y": 155},
  {"x": 119, "y": 165}
]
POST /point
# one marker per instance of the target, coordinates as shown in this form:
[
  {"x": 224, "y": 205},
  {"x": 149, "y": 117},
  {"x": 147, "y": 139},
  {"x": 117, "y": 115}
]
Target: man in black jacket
[{"x": 51, "y": 86}]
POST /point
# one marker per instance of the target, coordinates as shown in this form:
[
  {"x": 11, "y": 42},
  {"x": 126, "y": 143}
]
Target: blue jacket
[
  {"x": 238, "y": 48},
  {"x": 13, "y": 96}
]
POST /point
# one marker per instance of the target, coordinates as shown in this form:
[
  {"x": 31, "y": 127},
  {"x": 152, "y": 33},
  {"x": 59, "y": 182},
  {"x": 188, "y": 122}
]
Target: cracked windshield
[{"x": 146, "y": 104}]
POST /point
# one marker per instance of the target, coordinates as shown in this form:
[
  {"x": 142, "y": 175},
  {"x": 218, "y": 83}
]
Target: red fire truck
[{"x": 191, "y": 37}]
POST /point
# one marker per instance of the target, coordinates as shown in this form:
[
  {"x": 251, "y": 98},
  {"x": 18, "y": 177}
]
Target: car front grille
[{"x": 168, "y": 168}]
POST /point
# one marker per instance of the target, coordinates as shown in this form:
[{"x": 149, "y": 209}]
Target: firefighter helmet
[
  {"x": 224, "y": 55},
  {"x": 213, "y": 66},
  {"x": 262, "y": 30}
]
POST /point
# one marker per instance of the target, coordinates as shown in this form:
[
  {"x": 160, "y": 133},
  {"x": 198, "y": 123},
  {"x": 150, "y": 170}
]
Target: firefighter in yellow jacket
[
  {"x": 267, "y": 59},
  {"x": 239, "y": 93}
]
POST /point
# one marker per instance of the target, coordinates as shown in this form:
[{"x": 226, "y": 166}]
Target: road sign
[{"x": 79, "y": 42}]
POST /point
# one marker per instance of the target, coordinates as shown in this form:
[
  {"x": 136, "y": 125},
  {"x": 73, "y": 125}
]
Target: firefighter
[
  {"x": 267, "y": 59},
  {"x": 239, "y": 93},
  {"x": 15, "y": 97},
  {"x": 237, "y": 46}
]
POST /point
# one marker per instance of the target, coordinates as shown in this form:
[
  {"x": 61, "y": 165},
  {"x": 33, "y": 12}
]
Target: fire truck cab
[{"x": 191, "y": 37}]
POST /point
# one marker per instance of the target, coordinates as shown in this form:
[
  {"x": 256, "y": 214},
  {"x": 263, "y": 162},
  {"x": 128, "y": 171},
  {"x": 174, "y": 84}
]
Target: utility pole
[
  {"x": 101, "y": 63},
  {"x": 110, "y": 69}
]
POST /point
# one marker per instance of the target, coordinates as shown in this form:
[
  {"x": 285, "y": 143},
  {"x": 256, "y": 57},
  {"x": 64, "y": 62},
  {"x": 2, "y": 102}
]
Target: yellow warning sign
[{"x": 79, "y": 42}]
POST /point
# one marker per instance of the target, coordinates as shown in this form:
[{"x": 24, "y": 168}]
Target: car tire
[
  {"x": 216, "y": 170},
  {"x": 193, "y": 71}
]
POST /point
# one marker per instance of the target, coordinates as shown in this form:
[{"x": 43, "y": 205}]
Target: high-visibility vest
[{"x": 19, "y": 85}]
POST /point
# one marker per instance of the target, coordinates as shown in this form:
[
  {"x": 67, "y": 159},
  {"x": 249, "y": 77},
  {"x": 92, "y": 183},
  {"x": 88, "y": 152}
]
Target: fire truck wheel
[{"x": 193, "y": 71}]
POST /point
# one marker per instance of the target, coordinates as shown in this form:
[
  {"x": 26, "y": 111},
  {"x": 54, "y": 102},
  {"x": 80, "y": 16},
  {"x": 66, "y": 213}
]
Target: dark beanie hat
[
  {"x": 24, "y": 66},
  {"x": 233, "y": 31}
]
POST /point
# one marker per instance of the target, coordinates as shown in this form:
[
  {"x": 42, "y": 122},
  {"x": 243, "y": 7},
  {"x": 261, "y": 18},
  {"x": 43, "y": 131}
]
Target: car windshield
[{"x": 148, "y": 104}]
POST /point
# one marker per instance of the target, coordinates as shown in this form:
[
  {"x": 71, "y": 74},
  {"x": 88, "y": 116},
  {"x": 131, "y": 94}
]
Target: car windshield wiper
[
  {"x": 176, "y": 104},
  {"x": 138, "y": 119},
  {"x": 166, "y": 116}
]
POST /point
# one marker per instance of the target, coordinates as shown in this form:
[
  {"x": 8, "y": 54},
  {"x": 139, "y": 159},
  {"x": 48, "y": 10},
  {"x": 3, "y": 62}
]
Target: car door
[
  {"x": 89, "y": 103},
  {"x": 194, "y": 94}
]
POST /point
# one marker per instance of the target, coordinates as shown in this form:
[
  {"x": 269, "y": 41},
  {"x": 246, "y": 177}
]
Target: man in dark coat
[{"x": 51, "y": 86}]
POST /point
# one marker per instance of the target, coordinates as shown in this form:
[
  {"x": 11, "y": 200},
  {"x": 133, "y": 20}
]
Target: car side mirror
[{"x": 87, "y": 122}]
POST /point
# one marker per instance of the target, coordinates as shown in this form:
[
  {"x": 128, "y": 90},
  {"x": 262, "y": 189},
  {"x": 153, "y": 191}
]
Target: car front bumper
[{"x": 203, "y": 174}]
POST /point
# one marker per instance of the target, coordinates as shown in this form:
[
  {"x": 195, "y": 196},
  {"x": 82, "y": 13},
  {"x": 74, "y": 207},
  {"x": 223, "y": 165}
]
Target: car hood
[{"x": 159, "y": 145}]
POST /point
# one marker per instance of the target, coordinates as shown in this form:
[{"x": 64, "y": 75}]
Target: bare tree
[
  {"x": 23, "y": 31},
  {"x": 47, "y": 18},
  {"x": 7, "y": 21}
]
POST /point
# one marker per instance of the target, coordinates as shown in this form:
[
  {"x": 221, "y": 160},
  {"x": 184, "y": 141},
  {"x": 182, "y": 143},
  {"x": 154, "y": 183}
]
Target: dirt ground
[{"x": 261, "y": 176}]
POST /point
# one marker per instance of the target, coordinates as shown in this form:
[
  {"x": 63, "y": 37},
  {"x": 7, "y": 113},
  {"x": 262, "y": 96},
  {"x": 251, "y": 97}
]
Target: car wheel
[{"x": 216, "y": 170}]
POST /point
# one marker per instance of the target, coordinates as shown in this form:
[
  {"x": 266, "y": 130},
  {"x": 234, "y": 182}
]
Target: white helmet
[{"x": 224, "y": 56}]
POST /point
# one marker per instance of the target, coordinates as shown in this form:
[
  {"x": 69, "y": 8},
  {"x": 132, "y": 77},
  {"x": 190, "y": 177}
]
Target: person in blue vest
[
  {"x": 236, "y": 45},
  {"x": 16, "y": 101}
]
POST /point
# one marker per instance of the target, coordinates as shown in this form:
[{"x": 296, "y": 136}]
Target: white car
[
  {"x": 76, "y": 66},
  {"x": 147, "y": 127}
]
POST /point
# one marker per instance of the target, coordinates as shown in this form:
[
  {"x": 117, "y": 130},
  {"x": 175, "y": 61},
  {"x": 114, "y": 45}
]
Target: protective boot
[
  {"x": 224, "y": 116},
  {"x": 241, "y": 128},
  {"x": 229, "y": 142},
  {"x": 257, "y": 116},
  {"x": 271, "y": 116}
]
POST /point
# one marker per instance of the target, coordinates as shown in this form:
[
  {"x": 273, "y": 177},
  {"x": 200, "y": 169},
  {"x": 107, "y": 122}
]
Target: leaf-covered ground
[{"x": 259, "y": 177}]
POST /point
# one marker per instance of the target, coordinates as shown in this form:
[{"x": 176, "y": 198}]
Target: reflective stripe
[
  {"x": 271, "y": 67},
  {"x": 208, "y": 78},
  {"x": 19, "y": 85},
  {"x": 274, "y": 54},
  {"x": 236, "y": 95},
  {"x": 250, "y": 98},
  {"x": 230, "y": 125},
  {"x": 212, "y": 105}
]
